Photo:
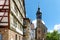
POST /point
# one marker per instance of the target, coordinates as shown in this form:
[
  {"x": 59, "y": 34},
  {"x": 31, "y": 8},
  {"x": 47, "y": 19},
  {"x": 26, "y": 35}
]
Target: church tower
[
  {"x": 41, "y": 30},
  {"x": 39, "y": 17}
]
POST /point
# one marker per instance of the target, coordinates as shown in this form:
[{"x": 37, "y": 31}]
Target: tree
[{"x": 52, "y": 36}]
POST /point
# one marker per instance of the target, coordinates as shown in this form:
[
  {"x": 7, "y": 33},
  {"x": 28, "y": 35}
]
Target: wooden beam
[
  {"x": 5, "y": 5},
  {"x": 3, "y": 22},
  {"x": 3, "y": 26}
]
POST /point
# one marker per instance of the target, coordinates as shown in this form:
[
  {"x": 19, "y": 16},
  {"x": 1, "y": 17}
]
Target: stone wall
[
  {"x": 12, "y": 35},
  {"x": 4, "y": 33},
  {"x": 8, "y": 34}
]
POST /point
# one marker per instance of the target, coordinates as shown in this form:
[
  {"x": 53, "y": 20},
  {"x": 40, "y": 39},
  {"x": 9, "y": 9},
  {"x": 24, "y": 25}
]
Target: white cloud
[
  {"x": 35, "y": 21},
  {"x": 57, "y": 27}
]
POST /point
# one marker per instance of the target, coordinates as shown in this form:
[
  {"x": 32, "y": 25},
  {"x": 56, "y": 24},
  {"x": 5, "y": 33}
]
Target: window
[
  {"x": 24, "y": 22},
  {"x": 21, "y": 28},
  {"x": 15, "y": 37},
  {"x": 15, "y": 22},
  {"x": 20, "y": 18},
  {"x": 18, "y": 25},
  {"x": 24, "y": 31},
  {"x": 11, "y": 19},
  {"x": 19, "y": 37},
  {"x": 39, "y": 31},
  {"x": 0, "y": 36},
  {"x": 44, "y": 31},
  {"x": 16, "y": 10}
]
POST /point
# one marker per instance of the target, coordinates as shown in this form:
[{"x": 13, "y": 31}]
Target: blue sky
[{"x": 50, "y": 12}]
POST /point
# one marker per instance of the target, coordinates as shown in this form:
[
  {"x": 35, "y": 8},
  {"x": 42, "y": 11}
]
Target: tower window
[{"x": 38, "y": 31}]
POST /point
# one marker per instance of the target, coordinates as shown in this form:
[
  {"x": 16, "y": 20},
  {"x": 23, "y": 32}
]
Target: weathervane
[{"x": 38, "y": 6}]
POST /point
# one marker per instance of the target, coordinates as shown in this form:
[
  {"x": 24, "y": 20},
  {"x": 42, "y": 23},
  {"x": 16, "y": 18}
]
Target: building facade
[
  {"x": 32, "y": 32},
  {"x": 41, "y": 30},
  {"x": 26, "y": 29},
  {"x": 12, "y": 13}
]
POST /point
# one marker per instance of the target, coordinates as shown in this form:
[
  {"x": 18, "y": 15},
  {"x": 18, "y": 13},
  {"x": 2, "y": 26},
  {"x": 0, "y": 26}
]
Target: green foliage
[{"x": 53, "y": 36}]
